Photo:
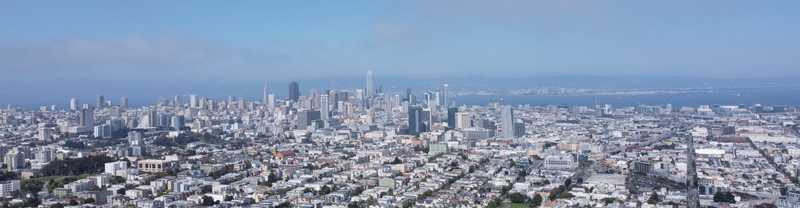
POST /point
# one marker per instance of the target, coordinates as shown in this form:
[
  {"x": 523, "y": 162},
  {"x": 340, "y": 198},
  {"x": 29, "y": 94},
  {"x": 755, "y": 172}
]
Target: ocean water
[{"x": 788, "y": 97}]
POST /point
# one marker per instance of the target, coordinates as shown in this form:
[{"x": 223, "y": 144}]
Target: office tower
[
  {"x": 271, "y": 101},
  {"x": 240, "y": 103},
  {"x": 428, "y": 119},
  {"x": 101, "y": 101},
  {"x": 451, "y": 117},
  {"x": 45, "y": 133},
  {"x": 163, "y": 120},
  {"x": 408, "y": 95},
  {"x": 193, "y": 101},
  {"x": 324, "y": 106},
  {"x": 360, "y": 94},
  {"x": 150, "y": 119},
  {"x": 507, "y": 116},
  {"x": 73, "y": 104},
  {"x": 86, "y": 117},
  {"x": 176, "y": 101},
  {"x": 14, "y": 160},
  {"x": 102, "y": 131},
  {"x": 306, "y": 117},
  {"x": 445, "y": 102},
  {"x": 370, "y": 84},
  {"x": 314, "y": 99},
  {"x": 430, "y": 102},
  {"x": 266, "y": 94},
  {"x": 415, "y": 120},
  {"x": 177, "y": 122},
  {"x": 294, "y": 91},
  {"x": 463, "y": 120},
  {"x": 123, "y": 102}
]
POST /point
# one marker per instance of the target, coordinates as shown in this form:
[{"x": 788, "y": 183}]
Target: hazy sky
[{"x": 251, "y": 41}]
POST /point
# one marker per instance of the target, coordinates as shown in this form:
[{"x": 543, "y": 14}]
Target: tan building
[{"x": 154, "y": 166}]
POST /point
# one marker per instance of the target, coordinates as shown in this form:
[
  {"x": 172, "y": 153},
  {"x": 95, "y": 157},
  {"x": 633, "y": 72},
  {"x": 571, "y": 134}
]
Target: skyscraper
[
  {"x": 73, "y": 104},
  {"x": 176, "y": 101},
  {"x": 86, "y": 117},
  {"x": 370, "y": 84},
  {"x": 45, "y": 133},
  {"x": 451, "y": 117},
  {"x": 324, "y": 106},
  {"x": 306, "y": 118},
  {"x": 123, "y": 102},
  {"x": 445, "y": 102},
  {"x": 177, "y": 122},
  {"x": 271, "y": 101},
  {"x": 507, "y": 116},
  {"x": 463, "y": 120},
  {"x": 101, "y": 101},
  {"x": 415, "y": 119},
  {"x": 265, "y": 94},
  {"x": 294, "y": 91},
  {"x": 193, "y": 101}
]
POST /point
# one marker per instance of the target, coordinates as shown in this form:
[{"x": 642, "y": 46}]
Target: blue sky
[{"x": 252, "y": 41}]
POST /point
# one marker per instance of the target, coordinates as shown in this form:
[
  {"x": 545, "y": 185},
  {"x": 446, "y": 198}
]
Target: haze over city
[
  {"x": 79, "y": 45},
  {"x": 383, "y": 104}
]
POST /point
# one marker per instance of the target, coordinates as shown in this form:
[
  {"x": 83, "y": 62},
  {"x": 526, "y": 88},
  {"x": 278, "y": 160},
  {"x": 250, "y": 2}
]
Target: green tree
[
  {"x": 726, "y": 197},
  {"x": 536, "y": 201},
  {"x": 325, "y": 190},
  {"x": 517, "y": 198},
  {"x": 653, "y": 198}
]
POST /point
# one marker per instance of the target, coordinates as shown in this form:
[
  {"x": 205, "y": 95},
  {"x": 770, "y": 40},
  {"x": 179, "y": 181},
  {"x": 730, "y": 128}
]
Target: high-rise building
[
  {"x": 123, "y": 102},
  {"x": 294, "y": 91},
  {"x": 306, "y": 117},
  {"x": 271, "y": 101},
  {"x": 73, "y": 104},
  {"x": 150, "y": 119},
  {"x": 176, "y": 101},
  {"x": 102, "y": 131},
  {"x": 451, "y": 117},
  {"x": 463, "y": 120},
  {"x": 177, "y": 122},
  {"x": 444, "y": 101},
  {"x": 86, "y": 117},
  {"x": 370, "y": 84},
  {"x": 101, "y": 101},
  {"x": 507, "y": 116},
  {"x": 45, "y": 133},
  {"x": 193, "y": 102},
  {"x": 265, "y": 94},
  {"x": 324, "y": 106},
  {"x": 415, "y": 120},
  {"x": 14, "y": 160}
]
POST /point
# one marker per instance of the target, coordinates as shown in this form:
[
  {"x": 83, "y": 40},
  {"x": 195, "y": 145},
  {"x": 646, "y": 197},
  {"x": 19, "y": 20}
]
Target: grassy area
[
  {"x": 55, "y": 181},
  {"x": 517, "y": 205}
]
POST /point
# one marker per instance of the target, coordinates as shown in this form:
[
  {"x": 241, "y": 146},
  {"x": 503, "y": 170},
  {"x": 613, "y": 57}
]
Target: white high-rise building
[
  {"x": 45, "y": 133},
  {"x": 271, "y": 101},
  {"x": 370, "y": 84},
  {"x": 507, "y": 124},
  {"x": 73, "y": 104},
  {"x": 463, "y": 120},
  {"x": 324, "y": 107},
  {"x": 193, "y": 101},
  {"x": 266, "y": 94}
]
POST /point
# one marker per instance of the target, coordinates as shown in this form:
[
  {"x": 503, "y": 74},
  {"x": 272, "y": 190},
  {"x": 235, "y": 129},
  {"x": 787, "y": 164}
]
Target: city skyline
[{"x": 400, "y": 104}]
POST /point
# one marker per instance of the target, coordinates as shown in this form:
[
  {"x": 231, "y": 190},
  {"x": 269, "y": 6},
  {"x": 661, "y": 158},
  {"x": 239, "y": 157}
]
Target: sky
[{"x": 80, "y": 45}]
